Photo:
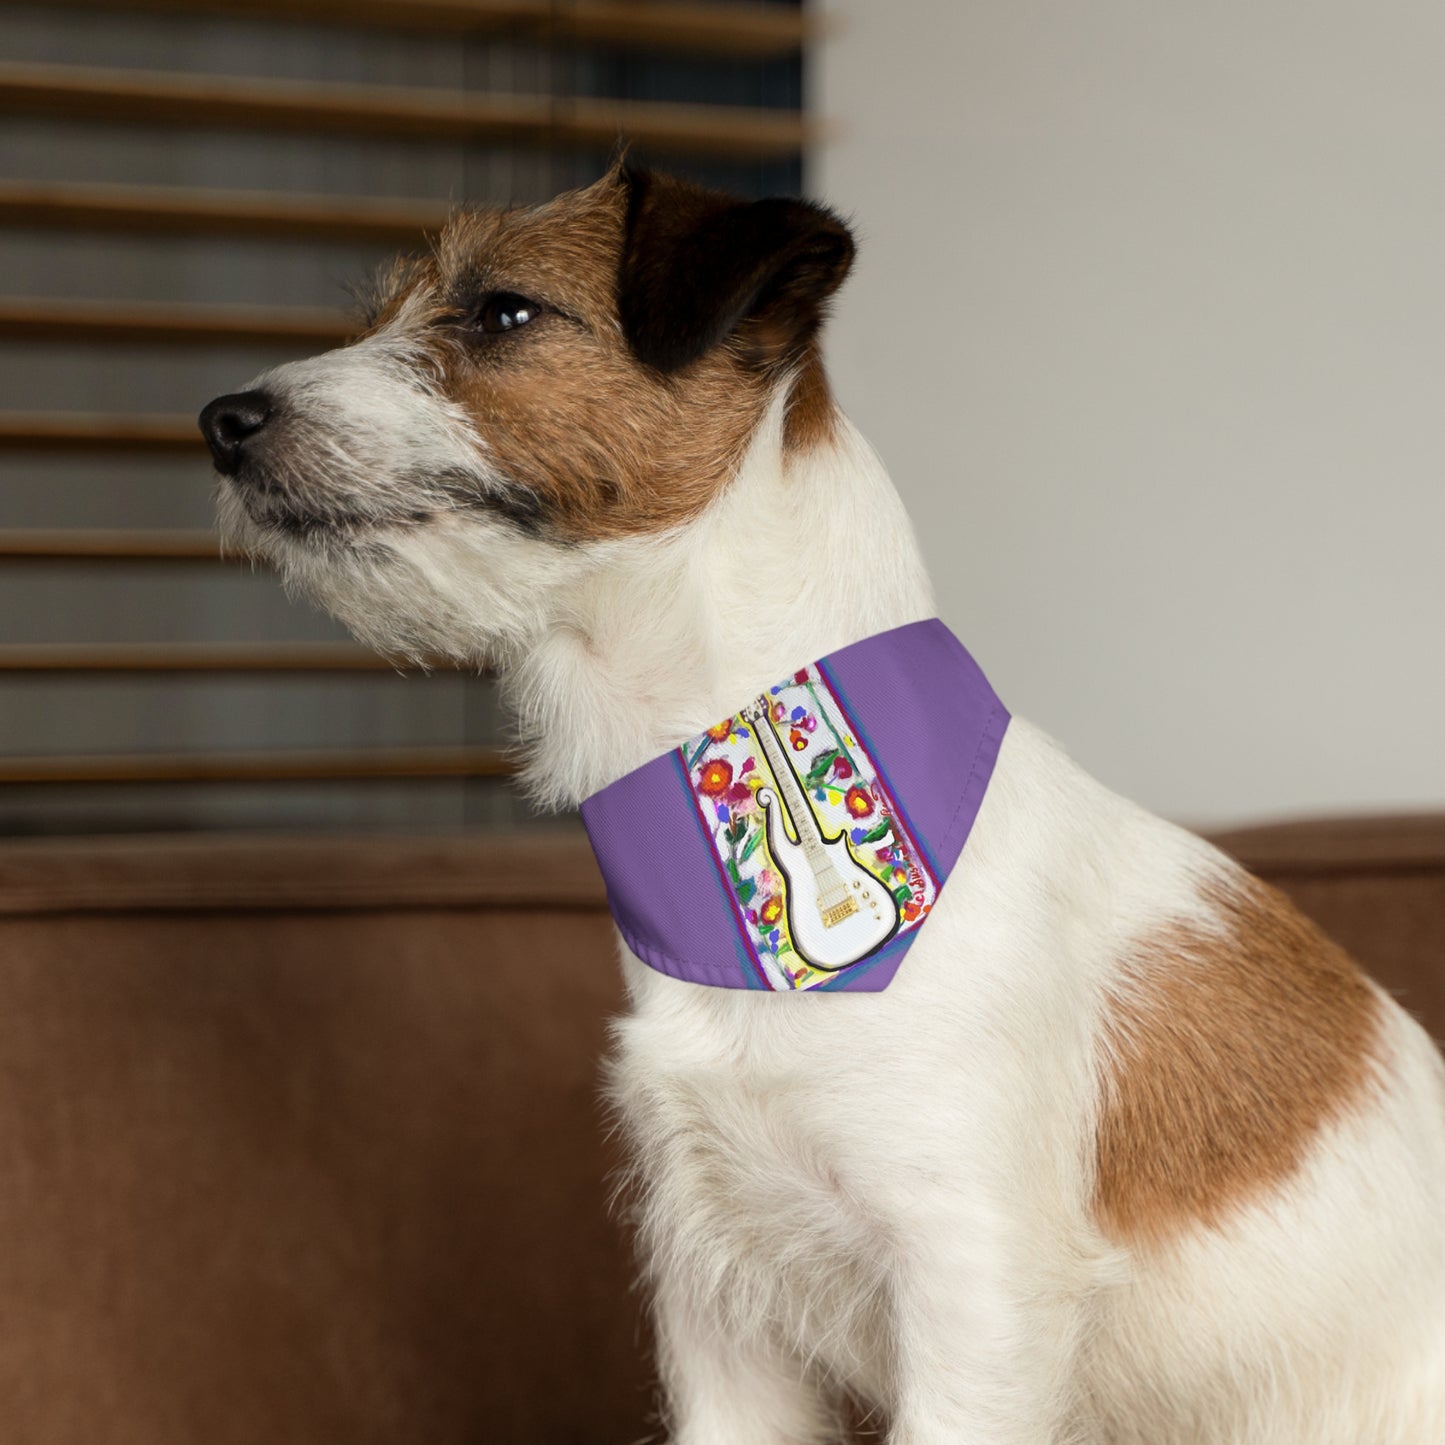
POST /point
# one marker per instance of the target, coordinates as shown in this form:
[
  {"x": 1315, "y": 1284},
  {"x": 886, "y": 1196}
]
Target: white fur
[{"x": 889, "y": 1194}]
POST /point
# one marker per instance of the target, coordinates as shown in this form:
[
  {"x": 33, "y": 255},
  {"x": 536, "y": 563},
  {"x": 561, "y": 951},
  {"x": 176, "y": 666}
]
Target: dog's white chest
[{"x": 749, "y": 1181}]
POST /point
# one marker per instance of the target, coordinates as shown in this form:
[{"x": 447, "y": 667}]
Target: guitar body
[{"x": 838, "y": 912}]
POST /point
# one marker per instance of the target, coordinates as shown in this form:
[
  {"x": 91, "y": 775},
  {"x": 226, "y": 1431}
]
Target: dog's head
[{"x": 547, "y": 382}]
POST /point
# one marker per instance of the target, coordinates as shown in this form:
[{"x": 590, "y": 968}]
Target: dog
[{"x": 1127, "y": 1153}]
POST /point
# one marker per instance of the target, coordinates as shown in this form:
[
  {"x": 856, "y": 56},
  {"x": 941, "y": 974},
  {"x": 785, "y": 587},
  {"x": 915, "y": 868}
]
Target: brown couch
[{"x": 300, "y": 1142}]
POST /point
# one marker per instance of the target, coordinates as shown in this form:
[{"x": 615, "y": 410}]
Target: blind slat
[
  {"x": 167, "y": 210},
  {"x": 78, "y": 544},
  {"x": 171, "y": 323},
  {"x": 120, "y": 96},
  {"x": 744, "y": 31},
  {"x": 84, "y": 431}
]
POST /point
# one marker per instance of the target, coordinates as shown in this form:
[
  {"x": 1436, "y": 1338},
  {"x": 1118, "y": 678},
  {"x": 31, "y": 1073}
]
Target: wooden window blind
[{"x": 186, "y": 189}]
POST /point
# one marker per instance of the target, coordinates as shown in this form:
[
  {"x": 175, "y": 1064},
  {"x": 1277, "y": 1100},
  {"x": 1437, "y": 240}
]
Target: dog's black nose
[{"x": 229, "y": 422}]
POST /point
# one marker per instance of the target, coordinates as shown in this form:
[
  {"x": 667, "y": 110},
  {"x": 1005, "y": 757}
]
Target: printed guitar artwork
[{"x": 838, "y": 911}]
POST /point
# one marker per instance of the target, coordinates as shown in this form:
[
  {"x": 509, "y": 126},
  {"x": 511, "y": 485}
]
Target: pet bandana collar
[{"x": 801, "y": 843}]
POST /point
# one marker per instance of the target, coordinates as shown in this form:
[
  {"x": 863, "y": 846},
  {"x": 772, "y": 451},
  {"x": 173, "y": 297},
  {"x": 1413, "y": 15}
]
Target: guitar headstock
[{"x": 757, "y": 711}]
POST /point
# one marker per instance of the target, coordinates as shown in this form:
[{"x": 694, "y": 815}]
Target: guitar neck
[{"x": 805, "y": 824}]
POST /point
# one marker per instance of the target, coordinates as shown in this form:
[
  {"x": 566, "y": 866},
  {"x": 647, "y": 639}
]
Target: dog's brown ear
[{"x": 698, "y": 267}]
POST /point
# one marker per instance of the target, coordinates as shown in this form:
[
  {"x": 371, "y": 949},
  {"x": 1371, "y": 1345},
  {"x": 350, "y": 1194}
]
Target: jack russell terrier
[{"x": 1109, "y": 1146}]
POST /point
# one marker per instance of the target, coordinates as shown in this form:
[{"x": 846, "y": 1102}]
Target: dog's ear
[{"x": 698, "y": 267}]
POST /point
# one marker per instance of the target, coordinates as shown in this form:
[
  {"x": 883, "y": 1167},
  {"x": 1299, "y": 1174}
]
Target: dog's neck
[{"x": 805, "y": 552}]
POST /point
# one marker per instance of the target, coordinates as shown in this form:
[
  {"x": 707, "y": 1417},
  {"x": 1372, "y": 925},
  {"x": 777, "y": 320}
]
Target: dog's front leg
[
  {"x": 985, "y": 1340},
  {"x": 726, "y": 1386}
]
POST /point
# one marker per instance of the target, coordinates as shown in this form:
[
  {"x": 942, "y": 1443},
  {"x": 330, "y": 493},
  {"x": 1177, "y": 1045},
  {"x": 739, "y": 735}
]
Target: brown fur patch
[
  {"x": 1227, "y": 1052},
  {"x": 812, "y": 417},
  {"x": 598, "y": 443},
  {"x": 592, "y": 441}
]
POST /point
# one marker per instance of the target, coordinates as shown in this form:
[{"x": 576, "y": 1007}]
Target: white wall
[{"x": 1149, "y": 325}]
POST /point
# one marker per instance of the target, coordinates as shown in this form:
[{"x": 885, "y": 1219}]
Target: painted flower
[
  {"x": 721, "y": 731},
  {"x": 809, "y": 722},
  {"x": 798, "y": 739},
  {"x": 779, "y": 712},
  {"x": 770, "y": 910},
  {"x": 768, "y": 880},
  {"x": 801, "y": 677},
  {"x": 842, "y": 768},
  {"x": 749, "y": 766},
  {"x": 857, "y": 801},
  {"x": 715, "y": 776},
  {"x": 740, "y": 796},
  {"x": 911, "y": 910}
]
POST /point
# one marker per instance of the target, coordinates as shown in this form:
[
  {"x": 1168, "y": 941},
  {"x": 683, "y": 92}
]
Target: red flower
[
  {"x": 740, "y": 797},
  {"x": 842, "y": 768},
  {"x": 719, "y": 733},
  {"x": 715, "y": 777},
  {"x": 801, "y": 677},
  {"x": 772, "y": 909},
  {"x": 857, "y": 802},
  {"x": 799, "y": 740}
]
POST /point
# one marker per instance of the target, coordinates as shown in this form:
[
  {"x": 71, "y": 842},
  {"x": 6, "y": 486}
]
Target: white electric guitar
[{"x": 838, "y": 912}]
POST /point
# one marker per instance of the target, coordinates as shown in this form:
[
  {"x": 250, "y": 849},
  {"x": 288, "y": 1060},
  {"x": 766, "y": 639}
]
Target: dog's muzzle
[{"x": 231, "y": 425}]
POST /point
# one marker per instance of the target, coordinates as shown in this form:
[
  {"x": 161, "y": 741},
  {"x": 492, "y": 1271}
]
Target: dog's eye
[{"x": 505, "y": 311}]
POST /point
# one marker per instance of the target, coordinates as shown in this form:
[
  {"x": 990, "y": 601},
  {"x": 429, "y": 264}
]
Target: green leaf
[
  {"x": 821, "y": 764},
  {"x": 746, "y": 889},
  {"x": 736, "y": 829},
  {"x": 751, "y": 846},
  {"x": 733, "y": 873},
  {"x": 880, "y": 830},
  {"x": 903, "y": 894}
]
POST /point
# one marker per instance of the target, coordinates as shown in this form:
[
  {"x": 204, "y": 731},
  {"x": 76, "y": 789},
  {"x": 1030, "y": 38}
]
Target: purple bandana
[{"x": 801, "y": 843}]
